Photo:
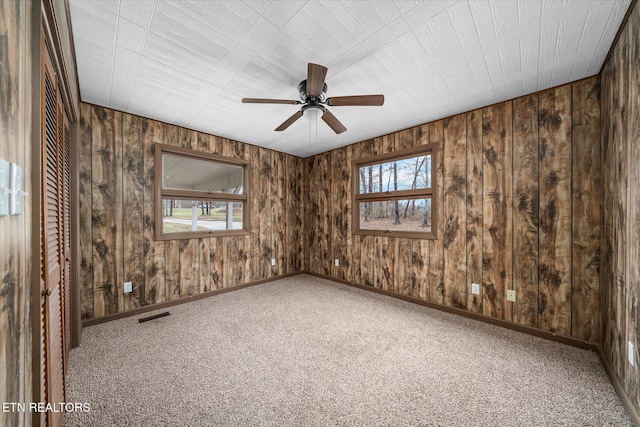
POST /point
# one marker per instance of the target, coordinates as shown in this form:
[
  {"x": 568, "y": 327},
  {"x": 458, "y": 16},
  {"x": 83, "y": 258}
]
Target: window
[
  {"x": 393, "y": 194},
  {"x": 199, "y": 194}
]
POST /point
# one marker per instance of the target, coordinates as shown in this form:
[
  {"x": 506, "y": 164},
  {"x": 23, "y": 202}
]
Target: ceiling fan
[{"x": 313, "y": 97}]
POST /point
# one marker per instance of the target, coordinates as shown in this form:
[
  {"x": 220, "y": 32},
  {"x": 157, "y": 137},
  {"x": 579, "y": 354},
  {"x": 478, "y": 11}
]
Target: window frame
[
  {"x": 357, "y": 197},
  {"x": 198, "y": 195}
]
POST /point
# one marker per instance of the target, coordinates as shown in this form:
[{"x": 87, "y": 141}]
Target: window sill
[
  {"x": 397, "y": 234},
  {"x": 202, "y": 235}
]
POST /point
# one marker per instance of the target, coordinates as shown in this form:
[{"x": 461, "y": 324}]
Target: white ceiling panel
[{"x": 189, "y": 63}]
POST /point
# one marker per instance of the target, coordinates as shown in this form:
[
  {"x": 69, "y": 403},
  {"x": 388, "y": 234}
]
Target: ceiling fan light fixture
[{"x": 313, "y": 112}]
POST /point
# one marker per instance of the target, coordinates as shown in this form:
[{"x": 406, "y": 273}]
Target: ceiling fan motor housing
[{"x": 302, "y": 89}]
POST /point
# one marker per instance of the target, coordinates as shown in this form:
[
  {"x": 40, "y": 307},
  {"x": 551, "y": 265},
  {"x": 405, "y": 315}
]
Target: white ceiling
[{"x": 190, "y": 63}]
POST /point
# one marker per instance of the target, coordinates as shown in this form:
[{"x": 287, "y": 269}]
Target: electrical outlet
[
  {"x": 511, "y": 295},
  {"x": 337, "y": 262},
  {"x": 631, "y": 354},
  {"x": 273, "y": 261},
  {"x": 475, "y": 289},
  {"x": 128, "y": 287}
]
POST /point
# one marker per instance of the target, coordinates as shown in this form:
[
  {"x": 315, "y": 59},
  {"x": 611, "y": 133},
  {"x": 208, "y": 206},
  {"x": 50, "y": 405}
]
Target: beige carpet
[{"x": 303, "y": 351}]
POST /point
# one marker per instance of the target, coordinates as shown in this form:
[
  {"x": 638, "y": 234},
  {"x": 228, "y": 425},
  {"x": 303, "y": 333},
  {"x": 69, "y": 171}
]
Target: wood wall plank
[
  {"x": 189, "y": 267},
  {"x": 608, "y": 276},
  {"x": 279, "y": 213},
  {"x": 238, "y": 264},
  {"x": 367, "y": 260},
  {"x": 404, "y": 273},
  {"x": 386, "y": 269},
  {"x": 436, "y": 250},
  {"x": 474, "y": 199},
  {"x": 586, "y": 184},
  {"x": 419, "y": 272},
  {"x": 106, "y": 169},
  {"x": 187, "y": 138},
  {"x": 154, "y": 276},
  {"x": 216, "y": 144},
  {"x": 308, "y": 188},
  {"x": 236, "y": 149},
  {"x": 496, "y": 210},
  {"x": 133, "y": 202},
  {"x": 204, "y": 267},
  {"x": 264, "y": 217},
  {"x": 620, "y": 192},
  {"x": 217, "y": 258},
  {"x": 171, "y": 269},
  {"x": 85, "y": 212},
  {"x": 325, "y": 260},
  {"x": 454, "y": 212},
  {"x": 339, "y": 193},
  {"x": 555, "y": 210},
  {"x": 234, "y": 273},
  {"x": 204, "y": 143},
  {"x": 525, "y": 212},
  {"x": 295, "y": 215},
  {"x": 347, "y": 206},
  {"x": 404, "y": 139},
  {"x": 320, "y": 214}
]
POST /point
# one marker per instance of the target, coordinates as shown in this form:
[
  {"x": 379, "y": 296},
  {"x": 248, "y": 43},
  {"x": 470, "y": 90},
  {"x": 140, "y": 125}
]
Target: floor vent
[{"x": 155, "y": 316}]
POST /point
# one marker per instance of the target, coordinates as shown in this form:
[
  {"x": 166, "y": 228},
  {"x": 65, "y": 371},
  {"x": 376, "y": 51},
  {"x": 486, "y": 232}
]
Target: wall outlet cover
[
  {"x": 15, "y": 198},
  {"x": 337, "y": 262},
  {"x": 475, "y": 288},
  {"x": 631, "y": 354},
  {"x": 273, "y": 261},
  {"x": 128, "y": 287},
  {"x": 511, "y": 295}
]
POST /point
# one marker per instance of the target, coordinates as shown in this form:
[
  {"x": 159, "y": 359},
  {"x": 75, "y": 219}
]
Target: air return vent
[{"x": 155, "y": 316}]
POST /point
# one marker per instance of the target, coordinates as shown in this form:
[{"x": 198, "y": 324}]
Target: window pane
[
  {"x": 185, "y": 173},
  {"x": 412, "y": 215},
  {"x": 179, "y": 216},
  {"x": 403, "y": 174}
]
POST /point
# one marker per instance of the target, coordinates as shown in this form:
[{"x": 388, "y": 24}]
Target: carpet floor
[{"x": 304, "y": 351}]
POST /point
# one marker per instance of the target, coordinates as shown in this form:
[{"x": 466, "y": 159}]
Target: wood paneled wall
[
  {"x": 620, "y": 261},
  {"x": 117, "y": 221},
  {"x": 519, "y": 207},
  {"x": 15, "y": 231}
]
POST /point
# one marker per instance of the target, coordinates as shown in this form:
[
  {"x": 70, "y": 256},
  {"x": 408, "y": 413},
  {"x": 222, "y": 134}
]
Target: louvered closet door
[
  {"x": 52, "y": 241},
  {"x": 66, "y": 241}
]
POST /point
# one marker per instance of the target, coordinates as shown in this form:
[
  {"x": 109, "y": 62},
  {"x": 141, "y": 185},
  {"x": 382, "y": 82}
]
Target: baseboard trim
[
  {"x": 619, "y": 387},
  {"x": 166, "y": 304},
  {"x": 475, "y": 316}
]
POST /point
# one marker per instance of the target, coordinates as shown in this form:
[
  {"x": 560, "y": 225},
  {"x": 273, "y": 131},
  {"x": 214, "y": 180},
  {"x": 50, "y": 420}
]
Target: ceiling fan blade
[
  {"x": 269, "y": 101},
  {"x": 336, "y": 101},
  {"x": 315, "y": 79},
  {"x": 333, "y": 122},
  {"x": 289, "y": 121}
]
